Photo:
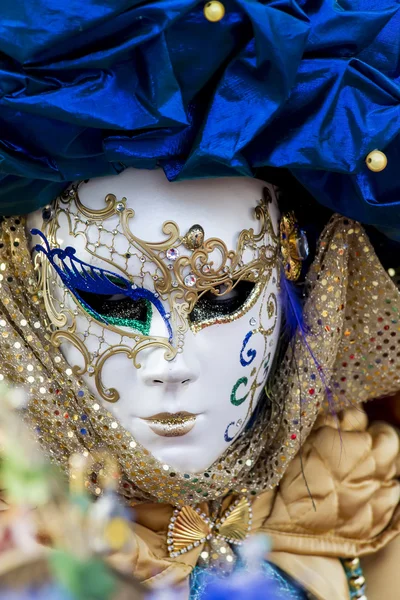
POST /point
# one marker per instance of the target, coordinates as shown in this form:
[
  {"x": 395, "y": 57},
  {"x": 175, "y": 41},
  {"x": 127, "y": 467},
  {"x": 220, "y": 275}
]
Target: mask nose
[{"x": 159, "y": 372}]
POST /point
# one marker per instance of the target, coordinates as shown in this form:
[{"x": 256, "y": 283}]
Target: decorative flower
[{"x": 87, "y": 89}]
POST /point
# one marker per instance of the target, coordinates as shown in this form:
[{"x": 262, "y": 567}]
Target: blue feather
[{"x": 292, "y": 306}]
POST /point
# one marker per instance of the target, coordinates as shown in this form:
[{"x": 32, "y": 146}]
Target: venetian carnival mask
[{"x": 164, "y": 298}]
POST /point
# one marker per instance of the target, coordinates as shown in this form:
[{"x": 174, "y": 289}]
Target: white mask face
[{"x": 186, "y": 287}]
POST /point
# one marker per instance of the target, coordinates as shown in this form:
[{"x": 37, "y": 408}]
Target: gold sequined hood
[{"x": 350, "y": 348}]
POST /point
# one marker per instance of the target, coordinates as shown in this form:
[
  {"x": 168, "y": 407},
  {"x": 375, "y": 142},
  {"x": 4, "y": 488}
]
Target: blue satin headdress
[{"x": 90, "y": 87}]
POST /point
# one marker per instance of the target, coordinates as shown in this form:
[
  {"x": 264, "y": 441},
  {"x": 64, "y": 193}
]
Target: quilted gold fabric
[{"x": 351, "y": 473}]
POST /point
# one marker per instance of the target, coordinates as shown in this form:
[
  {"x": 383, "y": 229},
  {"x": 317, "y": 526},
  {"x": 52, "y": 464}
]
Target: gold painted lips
[{"x": 172, "y": 424}]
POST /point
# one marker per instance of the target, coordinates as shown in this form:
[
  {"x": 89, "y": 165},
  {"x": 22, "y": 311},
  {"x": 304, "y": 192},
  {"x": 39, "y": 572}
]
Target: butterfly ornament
[{"x": 189, "y": 528}]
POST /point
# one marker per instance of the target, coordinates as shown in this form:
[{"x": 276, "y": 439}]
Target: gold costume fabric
[
  {"x": 351, "y": 346},
  {"x": 353, "y": 482}
]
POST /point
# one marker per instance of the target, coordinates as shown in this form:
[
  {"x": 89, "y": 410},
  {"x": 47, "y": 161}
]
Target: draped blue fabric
[{"x": 90, "y": 87}]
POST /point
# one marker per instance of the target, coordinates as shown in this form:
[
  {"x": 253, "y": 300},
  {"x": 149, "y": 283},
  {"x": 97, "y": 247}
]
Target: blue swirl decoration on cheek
[
  {"x": 251, "y": 353},
  {"x": 78, "y": 275},
  {"x": 228, "y": 438}
]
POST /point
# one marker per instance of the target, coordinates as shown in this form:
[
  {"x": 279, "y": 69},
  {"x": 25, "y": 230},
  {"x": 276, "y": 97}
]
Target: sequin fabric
[
  {"x": 368, "y": 359},
  {"x": 352, "y": 347}
]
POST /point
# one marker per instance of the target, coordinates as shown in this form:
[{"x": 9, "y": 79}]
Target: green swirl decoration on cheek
[{"x": 238, "y": 401}]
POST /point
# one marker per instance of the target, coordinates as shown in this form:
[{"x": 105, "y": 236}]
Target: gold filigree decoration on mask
[
  {"x": 270, "y": 306},
  {"x": 181, "y": 268},
  {"x": 199, "y": 272}
]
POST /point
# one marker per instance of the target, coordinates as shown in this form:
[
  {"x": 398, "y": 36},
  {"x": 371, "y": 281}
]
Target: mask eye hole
[
  {"x": 118, "y": 310},
  {"x": 211, "y": 305}
]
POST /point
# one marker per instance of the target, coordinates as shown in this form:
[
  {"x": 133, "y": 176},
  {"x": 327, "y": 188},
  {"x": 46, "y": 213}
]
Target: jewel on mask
[
  {"x": 68, "y": 195},
  {"x": 190, "y": 280},
  {"x": 120, "y": 207},
  {"x": 48, "y": 213},
  {"x": 172, "y": 253},
  {"x": 302, "y": 245},
  {"x": 194, "y": 238}
]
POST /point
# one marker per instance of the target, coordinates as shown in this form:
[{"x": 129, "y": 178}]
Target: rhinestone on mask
[
  {"x": 190, "y": 280},
  {"x": 172, "y": 253},
  {"x": 48, "y": 213}
]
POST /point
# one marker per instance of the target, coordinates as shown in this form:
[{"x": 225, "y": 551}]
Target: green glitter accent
[
  {"x": 142, "y": 326},
  {"x": 238, "y": 401}
]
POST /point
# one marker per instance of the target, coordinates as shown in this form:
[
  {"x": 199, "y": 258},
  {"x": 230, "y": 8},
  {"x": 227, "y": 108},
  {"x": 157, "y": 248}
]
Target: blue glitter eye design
[{"x": 109, "y": 298}]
